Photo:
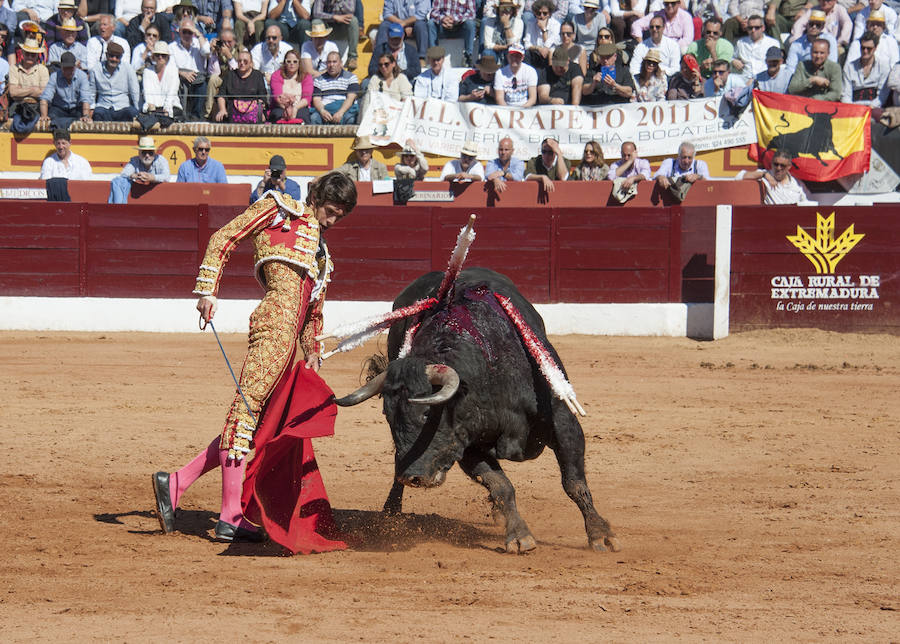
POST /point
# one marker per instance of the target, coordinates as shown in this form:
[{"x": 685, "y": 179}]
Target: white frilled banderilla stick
[{"x": 356, "y": 333}]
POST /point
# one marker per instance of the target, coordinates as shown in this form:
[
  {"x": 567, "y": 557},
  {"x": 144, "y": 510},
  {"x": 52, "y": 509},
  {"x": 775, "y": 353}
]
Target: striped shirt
[{"x": 335, "y": 88}]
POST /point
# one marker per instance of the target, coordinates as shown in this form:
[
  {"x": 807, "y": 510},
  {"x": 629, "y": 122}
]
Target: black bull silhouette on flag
[{"x": 814, "y": 140}]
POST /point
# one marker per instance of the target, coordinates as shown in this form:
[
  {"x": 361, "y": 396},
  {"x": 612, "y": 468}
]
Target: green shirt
[
  {"x": 800, "y": 85},
  {"x": 724, "y": 51}
]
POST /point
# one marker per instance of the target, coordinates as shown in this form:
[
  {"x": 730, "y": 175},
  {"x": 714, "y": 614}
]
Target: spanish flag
[{"x": 826, "y": 140}]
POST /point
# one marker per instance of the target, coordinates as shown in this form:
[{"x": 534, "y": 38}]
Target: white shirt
[
  {"x": 789, "y": 192},
  {"x": 890, "y": 20},
  {"x": 137, "y": 57},
  {"x": 78, "y": 169},
  {"x": 308, "y": 50},
  {"x": 264, "y": 61},
  {"x": 4, "y": 72},
  {"x": 887, "y": 50},
  {"x": 534, "y": 37},
  {"x": 526, "y": 77},
  {"x": 668, "y": 49},
  {"x": 96, "y": 50},
  {"x": 127, "y": 9},
  {"x": 161, "y": 93},
  {"x": 251, "y": 5},
  {"x": 193, "y": 59},
  {"x": 43, "y": 8},
  {"x": 364, "y": 174},
  {"x": 753, "y": 54},
  {"x": 455, "y": 167},
  {"x": 428, "y": 85}
]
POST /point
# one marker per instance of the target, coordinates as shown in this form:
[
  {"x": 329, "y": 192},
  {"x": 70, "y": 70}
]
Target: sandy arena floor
[{"x": 753, "y": 483}]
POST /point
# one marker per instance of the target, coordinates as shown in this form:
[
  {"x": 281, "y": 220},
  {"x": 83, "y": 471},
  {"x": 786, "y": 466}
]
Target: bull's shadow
[{"x": 374, "y": 531}]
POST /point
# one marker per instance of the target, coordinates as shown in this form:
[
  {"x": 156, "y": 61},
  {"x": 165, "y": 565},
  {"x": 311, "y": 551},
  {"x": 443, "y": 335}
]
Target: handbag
[{"x": 246, "y": 111}]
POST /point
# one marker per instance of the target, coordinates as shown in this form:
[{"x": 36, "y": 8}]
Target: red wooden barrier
[
  {"x": 97, "y": 192},
  {"x": 774, "y": 283}
]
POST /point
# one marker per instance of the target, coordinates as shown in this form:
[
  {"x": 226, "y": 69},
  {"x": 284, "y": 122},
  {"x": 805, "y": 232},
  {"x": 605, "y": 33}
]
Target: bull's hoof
[
  {"x": 607, "y": 543},
  {"x": 521, "y": 545},
  {"x": 391, "y": 507}
]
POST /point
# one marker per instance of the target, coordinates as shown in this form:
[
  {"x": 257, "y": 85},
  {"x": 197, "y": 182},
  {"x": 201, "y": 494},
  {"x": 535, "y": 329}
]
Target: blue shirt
[
  {"x": 58, "y": 48},
  {"x": 779, "y": 84},
  {"x": 404, "y": 9},
  {"x": 212, "y": 172},
  {"x": 214, "y": 8},
  {"x": 159, "y": 168},
  {"x": 291, "y": 188},
  {"x": 801, "y": 48},
  {"x": 516, "y": 168},
  {"x": 114, "y": 91},
  {"x": 67, "y": 94}
]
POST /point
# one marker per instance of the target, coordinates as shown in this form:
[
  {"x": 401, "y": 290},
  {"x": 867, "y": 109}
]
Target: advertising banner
[{"x": 439, "y": 127}]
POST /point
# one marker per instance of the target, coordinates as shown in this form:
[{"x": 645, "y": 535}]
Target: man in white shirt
[
  {"x": 314, "y": 52},
  {"x": 750, "y": 51},
  {"x": 466, "y": 168},
  {"x": 436, "y": 82},
  {"x": 190, "y": 53},
  {"x": 886, "y": 49},
  {"x": 37, "y": 10},
  {"x": 65, "y": 164},
  {"x": 268, "y": 55},
  {"x": 669, "y": 51},
  {"x": 516, "y": 83},
  {"x": 781, "y": 188},
  {"x": 96, "y": 47},
  {"x": 889, "y": 18}
]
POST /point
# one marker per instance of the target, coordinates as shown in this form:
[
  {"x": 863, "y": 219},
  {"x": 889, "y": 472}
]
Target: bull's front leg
[
  {"x": 569, "y": 450},
  {"x": 486, "y": 470},
  {"x": 394, "y": 503}
]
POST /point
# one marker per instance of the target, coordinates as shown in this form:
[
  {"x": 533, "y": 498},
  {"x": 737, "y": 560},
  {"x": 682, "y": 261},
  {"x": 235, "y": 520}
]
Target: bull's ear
[{"x": 444, "y": 376}]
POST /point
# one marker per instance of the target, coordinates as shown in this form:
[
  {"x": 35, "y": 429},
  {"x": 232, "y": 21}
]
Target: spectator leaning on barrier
[
  {"x": 864, "y": 79},
  {"x": 779, "y": 186},
  {"x": 516, "y": 83},
  {"x": 413, "y": 164},
  {"x": 436, "y": 81},
  {"x": 680, "y": 173},
  {"x": 668, "y": 50},
  {"x": 67, "y": 96},
  {"x": 711, "y": 47},
  {"x": 630, "y": 168},
  {"x": 561, "y": 83},
  {"x": 340, "y": 16},
  {"x": 465, "y": 169},
  {"x": 548, "y": 166},
  {"x": 363, "y": 167},
  {"x": 505, "y": 167},
  {"x": 67, "y": 42},
  {"x": 406, "y": 57},
  {"x": 314, "y": 52},
  {"x": 275, "y": 178},
  {"x": 202, "y": 168},
  {"x": 146, "y": 168},
  {"x": 593, "y": 166},
  {"x": 688, "y": 82},
  {"x": 479, "y": 87},
  {"x": 801, "y": 49},
  {"x": 608, "y": 80},
  {"x": 65, "y": 164},
  {"x": 817, "y": 77},
  {"x": 776, "y": 76},
  {"x": 450, "y": 19},
  {"x": 334, "y": 95}
]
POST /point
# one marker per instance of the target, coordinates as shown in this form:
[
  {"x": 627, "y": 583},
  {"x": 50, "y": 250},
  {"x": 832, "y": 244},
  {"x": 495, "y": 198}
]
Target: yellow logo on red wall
[{"x": 824, "y": 251}]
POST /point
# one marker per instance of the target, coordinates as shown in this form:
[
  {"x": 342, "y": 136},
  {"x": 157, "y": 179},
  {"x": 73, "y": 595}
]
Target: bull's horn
[
  {"x": 365, "y": 392},
  {"x": 439, "y": 374}
]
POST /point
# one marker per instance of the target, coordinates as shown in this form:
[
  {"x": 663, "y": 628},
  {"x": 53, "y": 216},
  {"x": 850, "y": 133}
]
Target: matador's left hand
[{"x": 313, "y": 361}]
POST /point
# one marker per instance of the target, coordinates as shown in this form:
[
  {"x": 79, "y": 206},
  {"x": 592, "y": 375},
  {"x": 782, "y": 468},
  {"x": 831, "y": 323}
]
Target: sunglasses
[
  {"x": 604, "y": 37},
  {"x": 780, "y": 165},
  {"x": 864, "y": 48},
  {"x": 567, "y": 33},
  {"x": 187, "y": 32},
  {"x": 817, "y": 25},
  {"x": 588, "y": 151},
  {"x": 713, "y": 33},
  {"x": 201, "y": 149},
  {"x": 268, "y": 37},
  {"x": 515, "y": 82},
  {"x": 754, "y": 27},
  {"x": 655, "y": 27},
  {"x": 652, "y": 62},
  {"x": 542, "y": 13},
  {"x": 720, "y": 72},
  {"x": 387, "y": 64}
]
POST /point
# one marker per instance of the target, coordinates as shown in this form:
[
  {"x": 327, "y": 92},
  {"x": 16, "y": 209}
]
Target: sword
[{"x": 202, "y": 324}]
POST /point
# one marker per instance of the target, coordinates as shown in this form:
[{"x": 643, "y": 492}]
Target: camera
[{"x": 276, "y": 173}]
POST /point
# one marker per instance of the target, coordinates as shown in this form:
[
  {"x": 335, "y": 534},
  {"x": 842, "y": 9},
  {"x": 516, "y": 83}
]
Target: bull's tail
[{"x": 786, "y": 123}]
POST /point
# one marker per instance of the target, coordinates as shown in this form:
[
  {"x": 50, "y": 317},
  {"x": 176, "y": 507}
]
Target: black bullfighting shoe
[
  {"x": 164, "y": 510},
  {"x": 232, "y": 533}
]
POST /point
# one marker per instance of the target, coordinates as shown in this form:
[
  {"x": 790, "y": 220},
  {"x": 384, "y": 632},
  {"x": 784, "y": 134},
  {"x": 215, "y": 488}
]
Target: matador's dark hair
[{"x": 334, "y": 186}]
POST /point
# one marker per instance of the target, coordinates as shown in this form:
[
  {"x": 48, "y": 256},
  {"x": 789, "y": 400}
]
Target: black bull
[
  {"x": 493, "y": 403},
  {"x": 814, "y": 140}
]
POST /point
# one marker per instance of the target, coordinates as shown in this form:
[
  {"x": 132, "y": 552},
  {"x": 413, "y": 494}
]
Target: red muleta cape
[{"x": 283, "y": 490}]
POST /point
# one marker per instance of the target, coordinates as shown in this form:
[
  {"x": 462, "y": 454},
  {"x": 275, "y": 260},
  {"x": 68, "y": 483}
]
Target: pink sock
[
  {"x": 181, "y": 480},
  {"x": 232, "y": 486}
]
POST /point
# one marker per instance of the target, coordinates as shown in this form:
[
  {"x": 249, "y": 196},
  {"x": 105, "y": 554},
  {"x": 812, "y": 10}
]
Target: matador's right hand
[{"x": 207, "y": 305}]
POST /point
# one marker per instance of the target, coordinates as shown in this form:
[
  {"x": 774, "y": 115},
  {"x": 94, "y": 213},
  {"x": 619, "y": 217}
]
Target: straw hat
[
  {"x": 816, "y": 15},
  {"x": 146, "y": 143},
  {"x": 32, "y": 45},
  {"x": 69, "y": 24},
  {"x": 469, "y": 149},
  {"x": 66, "y": 4},
  {"x": 876, "y": 16},
  {"x": 319, "y": 30},
  {"x": 160, "y": 48},
  {"x": 363, "y": 143},
  {"x": 653, "y": 56}
]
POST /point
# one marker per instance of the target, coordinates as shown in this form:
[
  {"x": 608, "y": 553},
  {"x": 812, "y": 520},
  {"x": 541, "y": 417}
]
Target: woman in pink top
[{"x": 291, "y": 91}]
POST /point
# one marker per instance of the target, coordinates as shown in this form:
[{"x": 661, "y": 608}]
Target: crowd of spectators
[{"x": 295, "y": 61}]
